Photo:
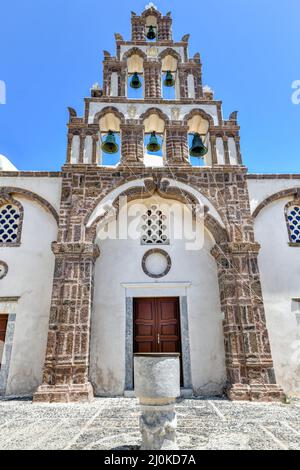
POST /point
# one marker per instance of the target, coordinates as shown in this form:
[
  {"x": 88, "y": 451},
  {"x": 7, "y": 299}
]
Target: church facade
[{"x": 153, "y": 237}]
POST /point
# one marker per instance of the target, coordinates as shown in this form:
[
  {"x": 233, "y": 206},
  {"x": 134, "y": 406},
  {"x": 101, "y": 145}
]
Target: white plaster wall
[
  {"x": 232, "y": 151},
  {"x": 88, "y": 149},
  {"x": 260, "y": 189},
  {"x": 191, "y": 86},
  {"x": 220, "y": 151},
  {"x": 120, "y": 262},
  {"x": 30, "y": 277},
  {"x": 280, "y": 274},
  {"x": 75, "y": 149},
  {"x": 114, "y": 84},
  {"x": 152, "y": 50},
  {"x": 126, "y": 109},
  {"x": 47, "y": 187}
]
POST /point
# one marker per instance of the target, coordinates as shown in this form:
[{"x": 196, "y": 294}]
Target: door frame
[
  {"x": 155, "y": 290},
  {"x": 8, "y": 306}
]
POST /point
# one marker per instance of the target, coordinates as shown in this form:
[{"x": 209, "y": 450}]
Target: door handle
[{"x": 158, "y": 339}]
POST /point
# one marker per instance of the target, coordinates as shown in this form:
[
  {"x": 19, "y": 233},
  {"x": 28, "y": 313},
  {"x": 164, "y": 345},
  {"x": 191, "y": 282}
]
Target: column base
[
  {"x": 256, "y": 392},
  {"x": 75, "y": 393}
]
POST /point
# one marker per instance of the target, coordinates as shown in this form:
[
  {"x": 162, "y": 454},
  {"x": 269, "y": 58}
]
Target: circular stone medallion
[
  {"x": 3, "y": 269},
  {"x": 156, "y": 263}
]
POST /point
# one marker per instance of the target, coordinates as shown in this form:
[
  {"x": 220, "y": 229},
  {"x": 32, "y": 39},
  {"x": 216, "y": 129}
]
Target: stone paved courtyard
[{"x": 112, "y": 423}]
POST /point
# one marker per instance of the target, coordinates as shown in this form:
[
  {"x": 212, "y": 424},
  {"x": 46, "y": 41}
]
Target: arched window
[
  {"x": 10, "y": 223},
  {"x": 154, "y": 227},
  {"x": 292, "y": 212}
]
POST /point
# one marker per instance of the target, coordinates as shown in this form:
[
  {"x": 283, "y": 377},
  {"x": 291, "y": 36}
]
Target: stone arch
[
  {"x": 171, "y": 52},
  {"x": 134, "y": 51},
  {"x": 143, "y": 189},
  {"x": 199, "y": 112},
  {"x": 8, "y": 192},
  {"x": 274, "y": 197},
  {"x": 106, "y": 110},
  {"x": 157, "y": 111}
]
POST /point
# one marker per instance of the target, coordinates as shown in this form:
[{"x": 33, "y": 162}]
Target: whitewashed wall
[
  {"x": 30, "y": 276},
  {"x": 280, "y": 276},
  {"x": 120, "y": 262}
]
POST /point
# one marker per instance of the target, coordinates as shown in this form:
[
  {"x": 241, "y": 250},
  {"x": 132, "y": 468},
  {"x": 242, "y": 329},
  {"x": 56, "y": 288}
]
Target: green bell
[
  {"x": 169, "y": 80},
  {"x": 153, "y": 145},
  {"x": 135, "y": 81},
  {"x": 110, "y": 145},
  {"x": 198, "y": 149},
  {"x": 151, "y": 33}
]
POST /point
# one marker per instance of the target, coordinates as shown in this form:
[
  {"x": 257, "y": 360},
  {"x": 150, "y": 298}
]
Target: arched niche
[
  {"x": 109, "y": 122},
  {"x": 198, "y": 124},
  {"x": 135, "y": 63},
  {"x": 154, "y": 122}
]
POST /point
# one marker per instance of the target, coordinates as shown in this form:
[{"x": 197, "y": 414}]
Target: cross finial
[{"x": 150, "y": 5}]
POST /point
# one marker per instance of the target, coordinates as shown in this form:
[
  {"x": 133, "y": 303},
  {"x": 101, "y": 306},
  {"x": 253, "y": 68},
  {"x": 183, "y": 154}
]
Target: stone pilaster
[
  {"x": 152, "y": 71},
  {"x": 132, "y": 146},
  {"x": 69, "y": 147},
  {"x": 81, "y": 147},
  {"x": 137, "y": 28},
  {"x": 249, "y": 365},
  {"x": 164, "y": 27},
  {"x": 238, "y": 150},
  {"x": 65, "y": 375},
  {"x": 177, "y": 144}
]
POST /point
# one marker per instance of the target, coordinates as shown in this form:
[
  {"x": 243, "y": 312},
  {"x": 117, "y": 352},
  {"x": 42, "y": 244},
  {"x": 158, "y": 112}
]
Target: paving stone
[{"x": 112, "y": 424}]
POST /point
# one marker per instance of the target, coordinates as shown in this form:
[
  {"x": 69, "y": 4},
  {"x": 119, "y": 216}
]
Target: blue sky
[{"x": 51, "y": 54}]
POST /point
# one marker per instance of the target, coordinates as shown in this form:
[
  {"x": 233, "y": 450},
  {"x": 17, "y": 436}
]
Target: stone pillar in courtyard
[
  {"x": 65, "y": 375},
  {"x": 157, "y": 385}
]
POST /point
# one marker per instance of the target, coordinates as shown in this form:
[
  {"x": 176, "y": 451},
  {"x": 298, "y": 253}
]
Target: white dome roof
[{"x": 6, "y": 165}]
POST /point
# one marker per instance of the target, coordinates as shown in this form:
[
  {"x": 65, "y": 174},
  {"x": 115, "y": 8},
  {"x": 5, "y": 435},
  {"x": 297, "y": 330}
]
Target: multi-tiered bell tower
[{"x": 186, "y": 122}]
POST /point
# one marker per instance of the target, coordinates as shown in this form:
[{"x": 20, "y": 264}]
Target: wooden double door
[
  {"x": 3, "y": 326},
  {"x": 157, "y": 325}
]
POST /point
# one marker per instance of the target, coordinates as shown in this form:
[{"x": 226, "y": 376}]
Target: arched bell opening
[
  {"x": 151, "y": 28},
  {"x": 169, "y": 78},
  {"x": 154, "y": 140},
  {"x": 110, "y": 141},
  {"x": 198, "y": 141},
  {"x": 135, "y": 77}
]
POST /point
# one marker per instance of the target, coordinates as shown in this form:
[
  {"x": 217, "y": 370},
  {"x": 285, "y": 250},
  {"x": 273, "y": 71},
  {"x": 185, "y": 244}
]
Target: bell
[
  {"x": 135, "y": 81},
  {"x": 198, "y": 149},
  {"x": 110, "y": 145},
  {"x": 153, "y": 145},
  {"x": 169, "y": 80},
  {"x": 151, "y": 33}
]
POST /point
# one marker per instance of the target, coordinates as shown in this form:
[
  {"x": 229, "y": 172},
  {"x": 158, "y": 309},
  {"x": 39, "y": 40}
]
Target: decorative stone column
[
  {"x": 132, "y": 144},
  {"x": 69, "y": 147},
  {"x": 164, "y": 28},
  {"x": 249, "y": 365},
  {"x": 177, "y": 149},
  {"x": 65, "y": 376},
  {"x": 157, "y": 385},
  {"x": 152, "y": 72},
  {"x": 81, "y": 148}
]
